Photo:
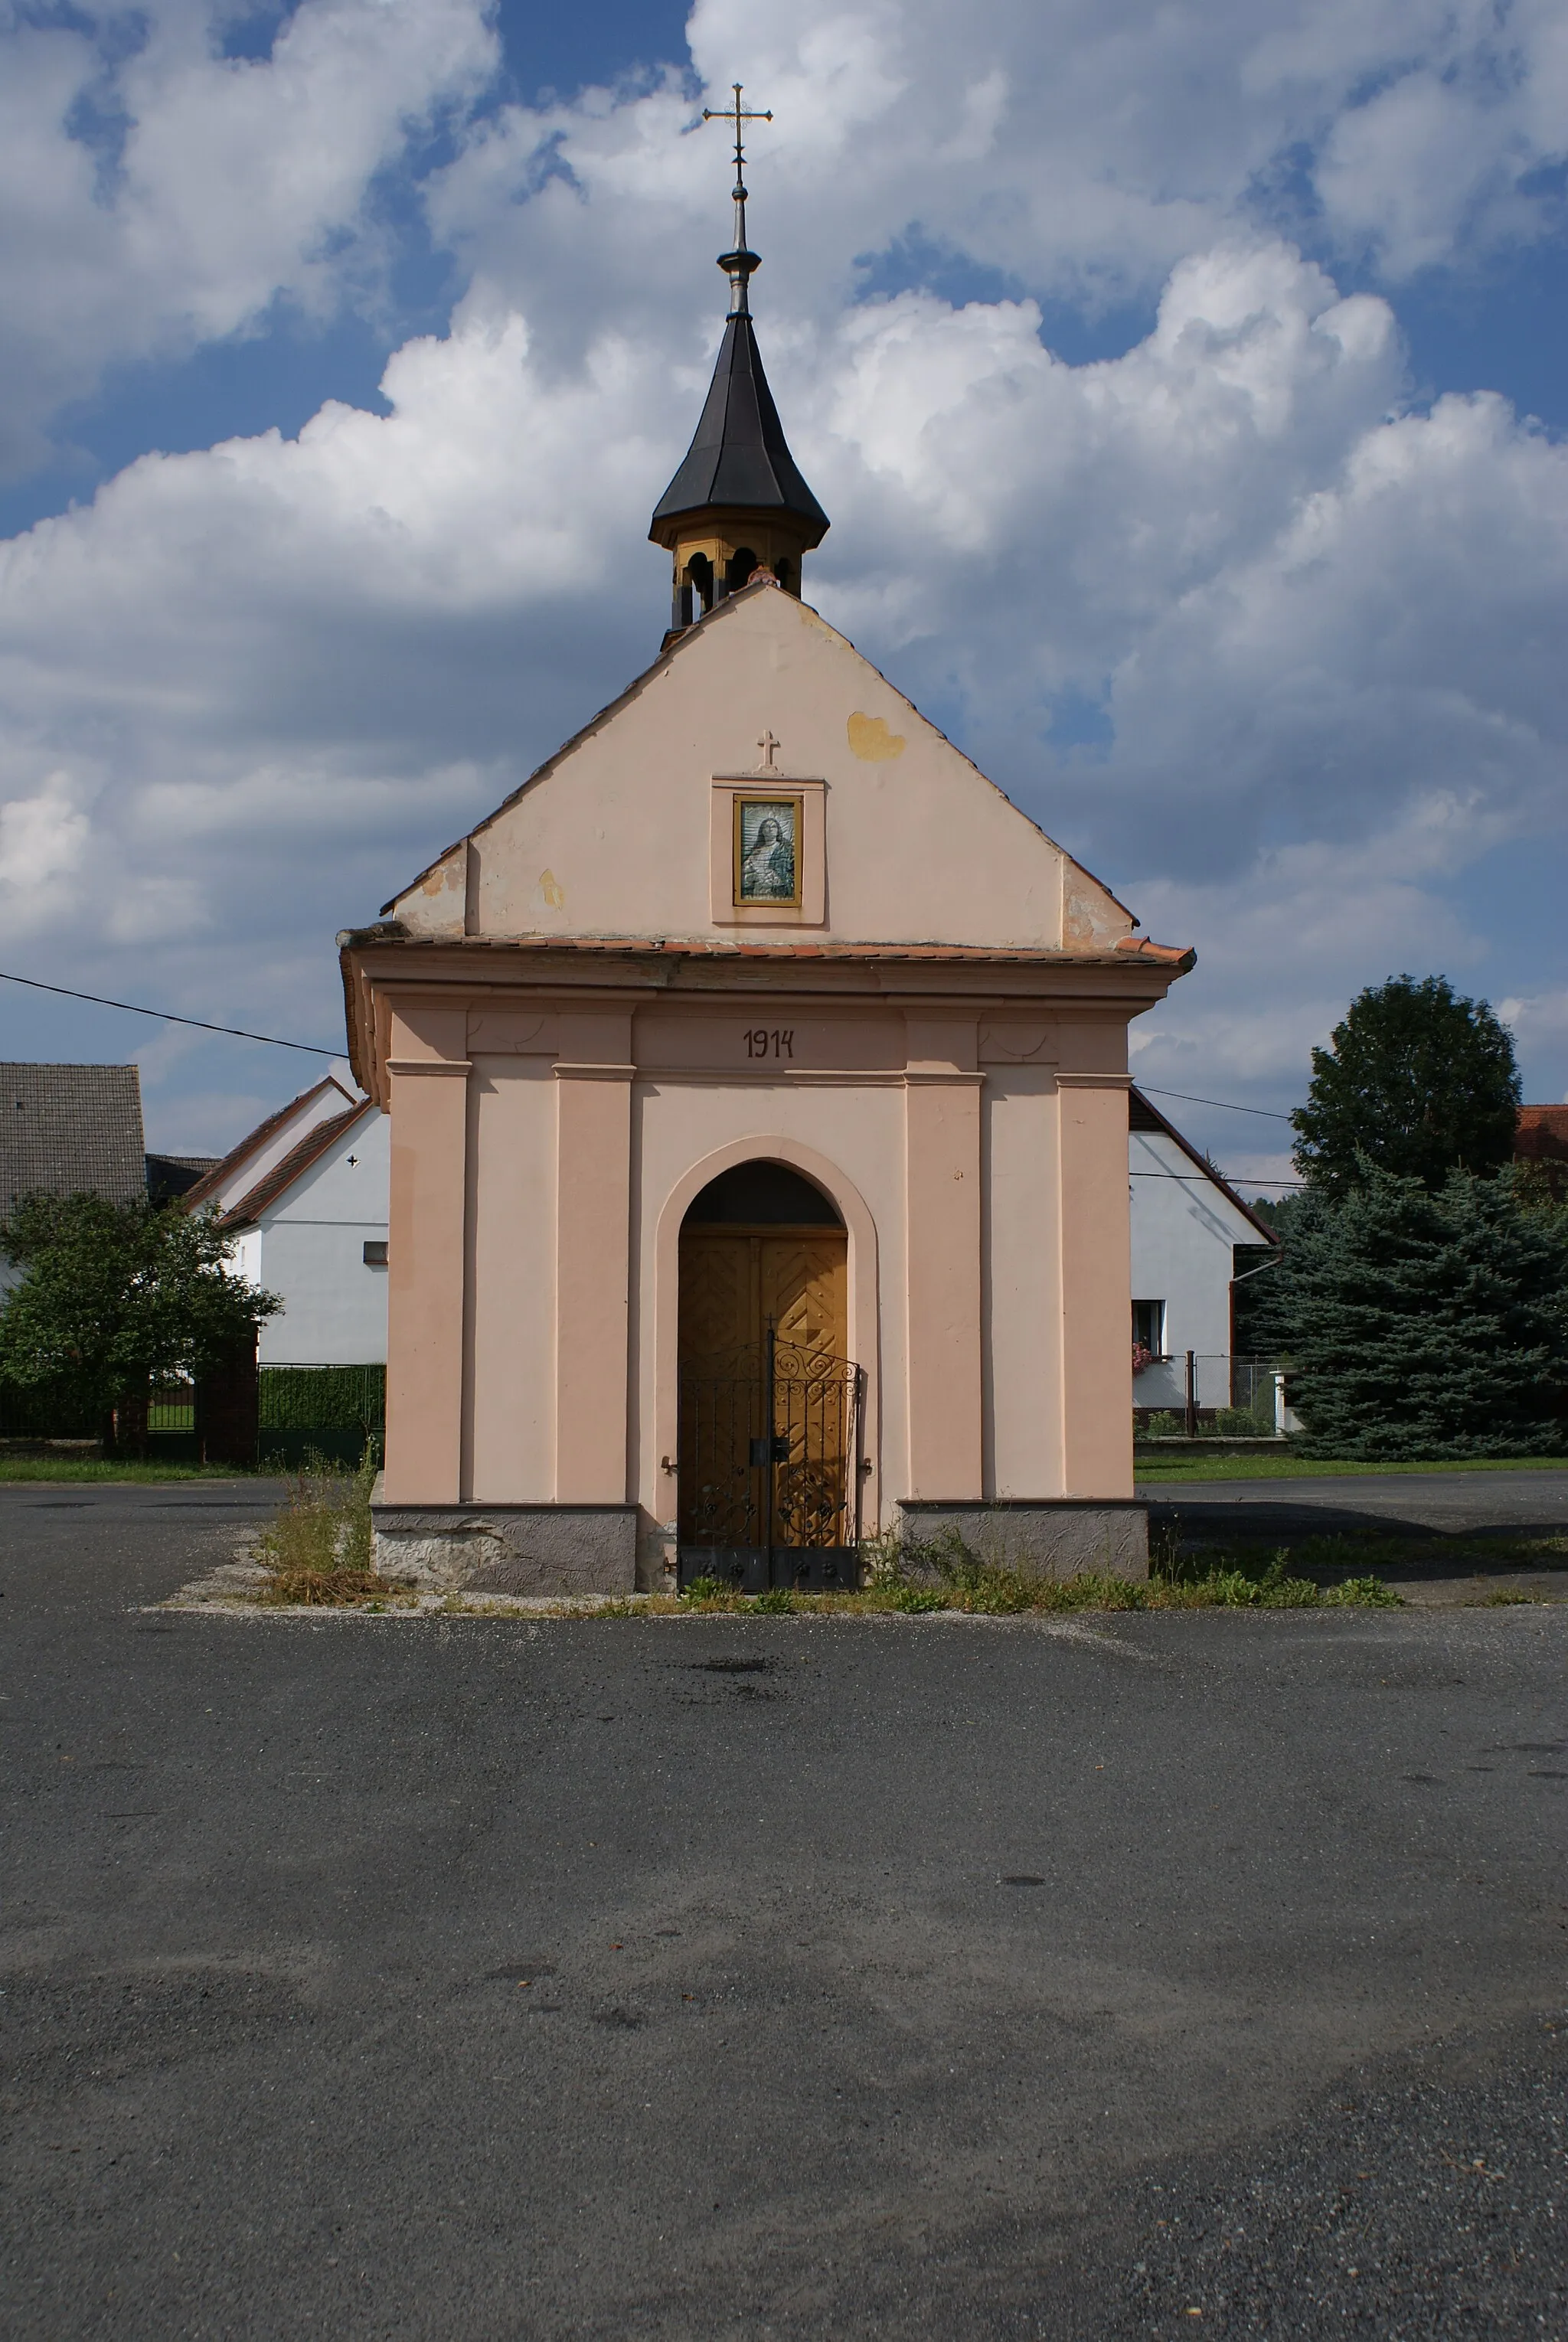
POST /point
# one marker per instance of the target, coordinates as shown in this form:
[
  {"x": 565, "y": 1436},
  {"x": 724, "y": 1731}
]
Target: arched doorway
[{"x": 770, "y": 1401}]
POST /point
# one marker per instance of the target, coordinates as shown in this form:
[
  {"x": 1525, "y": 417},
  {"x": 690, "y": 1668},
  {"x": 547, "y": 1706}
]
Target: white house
[
  {"x": 1186, "y": 1223},
  {"x": 305, "y": 1198}
]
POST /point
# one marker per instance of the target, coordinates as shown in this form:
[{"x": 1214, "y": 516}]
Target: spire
[
  {"x": 739, "y": 265},
  {"x": 738, "y": 502},
  {"x": 739, "y": 456}
]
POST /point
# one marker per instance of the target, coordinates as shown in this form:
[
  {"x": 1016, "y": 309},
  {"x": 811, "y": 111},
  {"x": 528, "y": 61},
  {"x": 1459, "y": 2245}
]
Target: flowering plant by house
[{"x": 1142, "y": 1357}]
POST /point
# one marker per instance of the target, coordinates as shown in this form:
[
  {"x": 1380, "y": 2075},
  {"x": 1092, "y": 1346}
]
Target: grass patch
[
  {"x": 73, "y": 1468},
  {"x": 1187, "y": 1465},
  {"x": 913, "y": 1578},
  {"x": 318, "y": 1551}
]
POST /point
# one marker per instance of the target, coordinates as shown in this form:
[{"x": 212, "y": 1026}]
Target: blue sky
[{"x": 1249, "y": 597}]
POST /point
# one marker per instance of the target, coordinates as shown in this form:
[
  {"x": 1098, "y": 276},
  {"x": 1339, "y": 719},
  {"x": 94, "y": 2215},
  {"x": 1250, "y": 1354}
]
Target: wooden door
[{"x": 735, "y": 1282}]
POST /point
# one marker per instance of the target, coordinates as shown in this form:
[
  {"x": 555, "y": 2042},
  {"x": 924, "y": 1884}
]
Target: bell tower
[{"x": 738, "y": 502}]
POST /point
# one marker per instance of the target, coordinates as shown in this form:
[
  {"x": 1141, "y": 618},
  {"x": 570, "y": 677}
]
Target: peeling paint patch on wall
[{"x": 871, "y": 741}]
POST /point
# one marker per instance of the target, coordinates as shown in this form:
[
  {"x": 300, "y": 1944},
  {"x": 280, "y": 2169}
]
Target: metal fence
[
  {"x": 302, "y": 1411},
  {"x": 1211, "y": 1394},
  {"x": 331, "y": 1411},
  {"x": 172, "y": 1408},
  {"x": 41, "y": 1415}
]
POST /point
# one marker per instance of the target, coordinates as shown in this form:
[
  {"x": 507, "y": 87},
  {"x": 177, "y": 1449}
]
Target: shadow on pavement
[{"x": 1271, "y": 1522}]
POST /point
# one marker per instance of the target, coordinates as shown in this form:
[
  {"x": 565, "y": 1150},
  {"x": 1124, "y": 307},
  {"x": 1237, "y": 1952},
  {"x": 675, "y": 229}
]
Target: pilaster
[
  {"x": 593, "y": 1257},
  {"x": 1095, "y": 1246},
  {"x": 426, "y": 1256},
  {"x": 942, "y": 1174}
]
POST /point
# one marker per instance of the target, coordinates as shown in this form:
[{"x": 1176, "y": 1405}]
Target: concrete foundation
[
  {"x": 1047, "y": 1536},
  {"x": 509, "y": 1548}
]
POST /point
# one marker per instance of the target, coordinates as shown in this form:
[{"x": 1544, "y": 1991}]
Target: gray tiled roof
[
  {"x": 169, "y": 1175},
  {"x": 65, "y": 1128}
]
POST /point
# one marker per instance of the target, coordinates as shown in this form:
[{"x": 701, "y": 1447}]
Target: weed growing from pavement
[
  {"x": 318, "y": 1551},
  {"x": 946, "y": 1573}
]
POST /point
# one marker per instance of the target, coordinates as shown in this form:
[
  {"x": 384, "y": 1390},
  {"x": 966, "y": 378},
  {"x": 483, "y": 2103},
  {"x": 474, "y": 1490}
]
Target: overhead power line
[
  {"x": 236, "y": 1032},
  {"x": 1231, "y": 1178},
  {"x": 313, "y": 1049},
  {"x": 1272, "y": 1113}
]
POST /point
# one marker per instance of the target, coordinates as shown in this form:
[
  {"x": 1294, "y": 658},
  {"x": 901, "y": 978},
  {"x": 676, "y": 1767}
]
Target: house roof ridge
[
  {"x": 214, "y": 1180},
  {"x": 292, "y": 1166}
]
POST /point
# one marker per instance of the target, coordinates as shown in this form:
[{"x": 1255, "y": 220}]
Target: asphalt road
[
  {"x": 1461, "y": 1503},
  {"x": 479, "y": 1979}
]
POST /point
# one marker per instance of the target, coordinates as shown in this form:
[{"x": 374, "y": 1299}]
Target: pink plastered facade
[{"x": 574, "y": 1027}]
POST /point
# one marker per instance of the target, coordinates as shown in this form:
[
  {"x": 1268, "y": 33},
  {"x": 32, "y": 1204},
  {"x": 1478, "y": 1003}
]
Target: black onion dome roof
[{"x": 739, "y": 455}]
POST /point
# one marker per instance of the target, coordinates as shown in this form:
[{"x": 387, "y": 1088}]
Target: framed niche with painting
[{"x": 767, "y": 850}]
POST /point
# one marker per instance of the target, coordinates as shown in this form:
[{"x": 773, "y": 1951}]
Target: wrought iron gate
[{"x": 770, "y": 1479}]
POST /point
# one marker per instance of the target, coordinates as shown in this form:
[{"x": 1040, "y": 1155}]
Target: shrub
[
  {"x": 1365, "y": 1594},
  {"x": 319, "y": 1549}
]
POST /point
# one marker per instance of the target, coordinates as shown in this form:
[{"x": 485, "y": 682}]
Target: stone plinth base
[
  {"x": 1047, "y": 1536},
  {"x": 509, "y": 1548}
]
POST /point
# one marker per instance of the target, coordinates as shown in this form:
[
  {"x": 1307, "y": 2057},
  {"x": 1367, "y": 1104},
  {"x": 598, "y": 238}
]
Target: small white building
[
  {"x": 305, "y": 1198},
  {"x": 1186, "y": 1224}
]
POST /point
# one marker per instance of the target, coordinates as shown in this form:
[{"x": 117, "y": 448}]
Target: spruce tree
[
  {"x": 1423, "y": 1325},
  {"x": 1417, "y": 1081}
]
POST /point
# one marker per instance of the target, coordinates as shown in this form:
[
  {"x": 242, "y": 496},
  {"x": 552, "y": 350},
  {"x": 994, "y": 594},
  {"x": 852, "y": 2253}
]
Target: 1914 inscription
[{"x": 765, "y": 1041}]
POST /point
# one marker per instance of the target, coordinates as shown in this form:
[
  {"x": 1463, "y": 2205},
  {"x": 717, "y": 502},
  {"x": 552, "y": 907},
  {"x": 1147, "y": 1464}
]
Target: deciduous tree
[
  {"x": 1417, "y": 1081},
  {"x": 114, "y": 1297}
]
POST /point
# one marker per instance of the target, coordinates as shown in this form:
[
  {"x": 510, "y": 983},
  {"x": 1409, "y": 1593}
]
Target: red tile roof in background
[{"x": 1542, "y": 1136}]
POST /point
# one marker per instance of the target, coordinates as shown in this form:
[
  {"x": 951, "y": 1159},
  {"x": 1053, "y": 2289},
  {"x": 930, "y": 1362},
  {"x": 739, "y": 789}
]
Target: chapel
[{"x": 757, "y": 1081}]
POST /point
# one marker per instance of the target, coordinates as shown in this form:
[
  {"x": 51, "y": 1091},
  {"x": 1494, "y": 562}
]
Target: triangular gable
[
  {"x": 1143, "y": 1117},
  {"x": 272, "y": 1139},
  {"x": 318, "y": 1141},
  {"x": 613, "y": 835}
]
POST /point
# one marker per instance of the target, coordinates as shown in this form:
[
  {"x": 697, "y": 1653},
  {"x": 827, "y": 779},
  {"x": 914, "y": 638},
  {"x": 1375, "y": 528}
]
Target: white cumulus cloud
[
  {"x": 1273, "y": 648},
  {"x": 157, "y": 193}
]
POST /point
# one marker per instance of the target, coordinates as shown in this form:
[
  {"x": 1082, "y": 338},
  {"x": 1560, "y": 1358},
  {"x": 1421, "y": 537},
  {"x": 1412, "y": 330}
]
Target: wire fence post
[{"x": 1191, "y": 1395}]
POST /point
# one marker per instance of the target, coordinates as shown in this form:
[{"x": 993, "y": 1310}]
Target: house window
[
  {"x": 1149, "y": 1327},
  {"x": 375, "y": 1252}
]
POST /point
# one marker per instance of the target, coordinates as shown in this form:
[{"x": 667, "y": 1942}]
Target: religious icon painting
[{"x": 767, "y": 850}]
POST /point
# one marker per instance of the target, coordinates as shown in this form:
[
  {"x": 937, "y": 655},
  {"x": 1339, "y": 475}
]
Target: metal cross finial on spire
[{"x": 740, "y": 264}]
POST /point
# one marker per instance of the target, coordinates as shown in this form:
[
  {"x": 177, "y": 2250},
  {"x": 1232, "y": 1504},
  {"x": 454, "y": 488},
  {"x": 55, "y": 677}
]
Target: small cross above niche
[{"x": 769, "y": 748}]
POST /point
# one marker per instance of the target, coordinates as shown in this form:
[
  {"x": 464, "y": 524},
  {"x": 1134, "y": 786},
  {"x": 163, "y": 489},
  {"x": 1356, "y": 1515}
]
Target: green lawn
[
  {"x": 1298, "y": 1468},
  {"x": 69, "y": 1467}
]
